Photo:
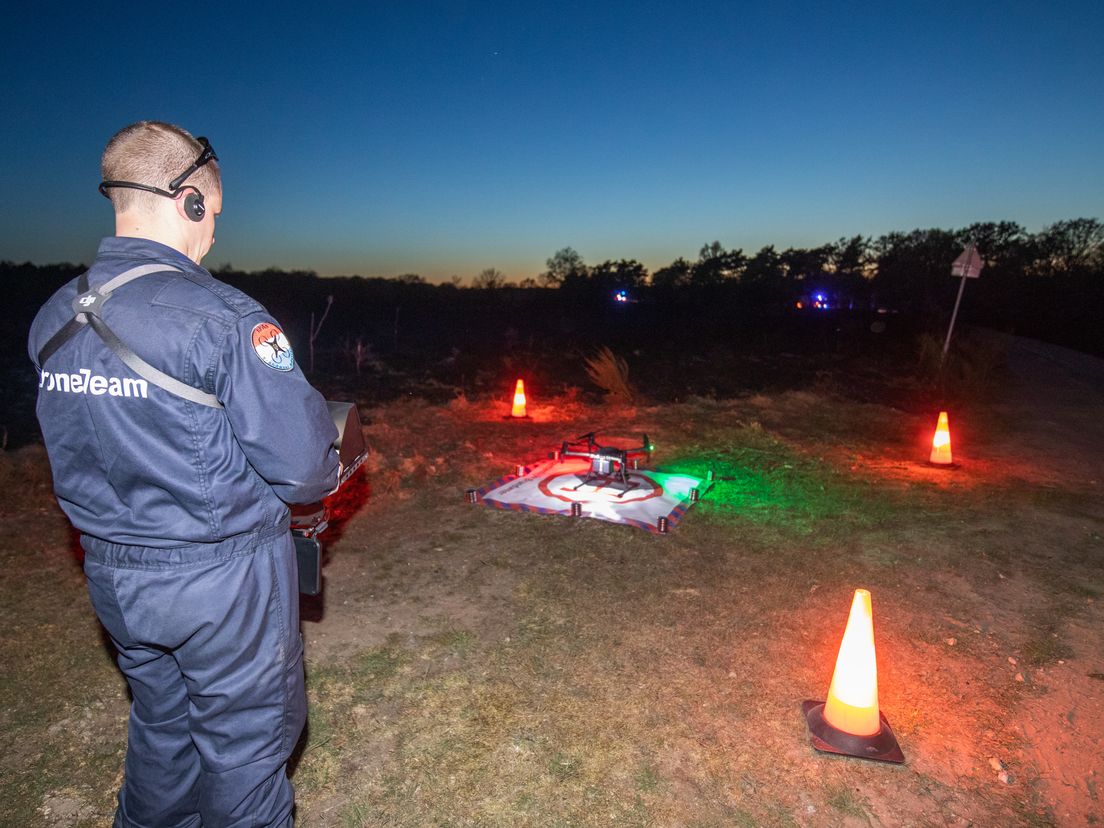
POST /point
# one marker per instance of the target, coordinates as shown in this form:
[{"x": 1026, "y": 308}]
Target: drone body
[{"x": 608, "y": 465}]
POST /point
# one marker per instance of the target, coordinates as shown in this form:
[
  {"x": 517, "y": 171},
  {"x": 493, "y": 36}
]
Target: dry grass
[
  {"x": 972, "y": 363},
  {"x": 611, "y": 373}
]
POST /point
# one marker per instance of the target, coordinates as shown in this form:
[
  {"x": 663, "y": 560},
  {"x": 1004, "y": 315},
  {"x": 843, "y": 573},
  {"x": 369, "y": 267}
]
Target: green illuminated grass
[{"x": 762, "y": 480}]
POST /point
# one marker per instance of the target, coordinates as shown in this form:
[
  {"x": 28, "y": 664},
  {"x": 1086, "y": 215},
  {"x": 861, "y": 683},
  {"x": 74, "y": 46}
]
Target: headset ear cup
[{"x": 194, "y": 206}]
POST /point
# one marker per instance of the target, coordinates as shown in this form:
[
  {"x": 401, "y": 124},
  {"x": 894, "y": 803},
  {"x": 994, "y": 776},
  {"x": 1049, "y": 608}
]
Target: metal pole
[{"x": 954, "y": 314}]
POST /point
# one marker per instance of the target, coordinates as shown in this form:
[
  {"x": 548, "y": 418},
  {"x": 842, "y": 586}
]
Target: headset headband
[
  {"x": 206, "y": 155},
  {"x": 106, "y": 185}
]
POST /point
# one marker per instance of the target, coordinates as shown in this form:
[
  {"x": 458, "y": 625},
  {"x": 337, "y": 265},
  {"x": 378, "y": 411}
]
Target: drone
[{"x": 608, "y": 465}]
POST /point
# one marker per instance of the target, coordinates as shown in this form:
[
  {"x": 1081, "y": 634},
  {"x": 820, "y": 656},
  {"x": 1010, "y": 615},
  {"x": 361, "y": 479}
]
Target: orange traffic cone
[
  {"x": 941, "y": 443},
  {"x": 850, "y": 723},
  {"x": 517, "y": 412}
]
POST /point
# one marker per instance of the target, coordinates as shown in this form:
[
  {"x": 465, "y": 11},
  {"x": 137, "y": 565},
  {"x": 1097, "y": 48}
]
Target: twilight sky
[{"x": 444, "y": 138}]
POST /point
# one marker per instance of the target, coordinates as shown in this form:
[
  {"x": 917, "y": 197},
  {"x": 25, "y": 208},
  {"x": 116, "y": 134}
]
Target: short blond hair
[{"x": 154, "y": 153}]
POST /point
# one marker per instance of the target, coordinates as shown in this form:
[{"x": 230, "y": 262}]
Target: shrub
[{"x": 610, "y": 373}]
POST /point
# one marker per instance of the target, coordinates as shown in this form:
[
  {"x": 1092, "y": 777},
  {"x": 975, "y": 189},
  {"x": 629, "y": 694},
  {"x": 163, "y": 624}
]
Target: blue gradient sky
[{"x": 444, "y": 138}]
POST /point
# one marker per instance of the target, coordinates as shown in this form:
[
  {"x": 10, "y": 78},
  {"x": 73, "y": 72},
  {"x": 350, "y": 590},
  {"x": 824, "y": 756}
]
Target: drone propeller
[
  {"x": 645, "y": 447},
  {"x": 591, "y": 439}
]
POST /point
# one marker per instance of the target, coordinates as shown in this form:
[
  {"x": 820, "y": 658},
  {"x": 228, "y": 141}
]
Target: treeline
[{"x": 1048, "y": 285}]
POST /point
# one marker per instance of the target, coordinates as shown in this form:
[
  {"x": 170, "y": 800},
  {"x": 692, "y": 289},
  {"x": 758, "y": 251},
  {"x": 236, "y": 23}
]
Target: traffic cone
[
  {"x": 849, "y": 722},
  {"x": 517, "y": 412},
  {"x": 941, "y": 443}
]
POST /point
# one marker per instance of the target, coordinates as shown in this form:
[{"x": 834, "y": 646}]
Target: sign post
[{"x": 968, "y": 265}]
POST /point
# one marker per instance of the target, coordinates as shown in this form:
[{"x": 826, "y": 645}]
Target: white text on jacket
[{"x": 85, "y": 382}]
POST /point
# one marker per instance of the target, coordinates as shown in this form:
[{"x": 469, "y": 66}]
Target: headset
[{"x": 194, "y": 208}]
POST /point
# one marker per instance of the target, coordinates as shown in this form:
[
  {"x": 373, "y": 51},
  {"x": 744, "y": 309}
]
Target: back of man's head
[{"x": 153, "y": 153}]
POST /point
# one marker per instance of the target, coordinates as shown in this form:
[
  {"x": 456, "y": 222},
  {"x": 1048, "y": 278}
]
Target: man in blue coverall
[{"x": 180, "y": 496}]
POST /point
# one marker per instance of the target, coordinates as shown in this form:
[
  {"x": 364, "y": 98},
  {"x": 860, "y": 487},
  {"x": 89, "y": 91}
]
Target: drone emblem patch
[{"x": 273, "y": 348}]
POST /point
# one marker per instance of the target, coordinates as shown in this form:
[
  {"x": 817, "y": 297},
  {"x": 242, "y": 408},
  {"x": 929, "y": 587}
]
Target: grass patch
[
  {"x": 762, "y": 480},
  {"x": 845, "y": 800},
  {"x": 537, "y": 671},
  {"x": 457, "y": 643},
  {"x": 648, "y": 779}
]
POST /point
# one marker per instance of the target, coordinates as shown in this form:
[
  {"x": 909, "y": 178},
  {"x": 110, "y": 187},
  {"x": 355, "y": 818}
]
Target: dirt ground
[
  {"x": 1056, "y": 401},
  {"x": 1005, "y": 700},
  {"x": 474, "y": 667}
]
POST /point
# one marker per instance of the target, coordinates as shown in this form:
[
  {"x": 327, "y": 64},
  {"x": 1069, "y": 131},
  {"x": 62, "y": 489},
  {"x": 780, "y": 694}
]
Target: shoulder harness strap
[{"x": 86, "y": 311}]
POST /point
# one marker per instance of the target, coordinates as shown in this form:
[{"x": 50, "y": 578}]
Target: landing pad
[{"x": 652, "y": 500}]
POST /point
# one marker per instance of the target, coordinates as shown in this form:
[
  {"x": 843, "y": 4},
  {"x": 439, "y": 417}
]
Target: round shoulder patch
[{"x": 273, "y": 348}]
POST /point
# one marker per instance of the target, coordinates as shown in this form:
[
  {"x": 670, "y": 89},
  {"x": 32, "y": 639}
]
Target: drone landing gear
[{"x": 607, "y": 481}]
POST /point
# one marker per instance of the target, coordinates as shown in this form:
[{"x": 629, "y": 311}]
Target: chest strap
[{"x": 87, "y": 311}]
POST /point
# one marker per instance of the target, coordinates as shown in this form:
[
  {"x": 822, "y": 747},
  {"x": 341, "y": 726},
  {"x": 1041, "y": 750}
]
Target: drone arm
[{"x": 566, "y": 452}]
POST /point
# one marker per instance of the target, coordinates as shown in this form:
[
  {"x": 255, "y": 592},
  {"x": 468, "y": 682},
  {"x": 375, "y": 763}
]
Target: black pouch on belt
[{"x": 308, "y": 552}]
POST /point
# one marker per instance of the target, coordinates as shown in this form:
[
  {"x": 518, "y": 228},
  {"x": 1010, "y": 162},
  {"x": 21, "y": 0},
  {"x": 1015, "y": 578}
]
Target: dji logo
[{"x": 85, "y": 301}]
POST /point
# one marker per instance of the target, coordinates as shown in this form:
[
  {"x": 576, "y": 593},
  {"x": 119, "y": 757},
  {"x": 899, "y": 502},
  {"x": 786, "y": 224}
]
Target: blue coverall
[{"x": 184, "y": 523}]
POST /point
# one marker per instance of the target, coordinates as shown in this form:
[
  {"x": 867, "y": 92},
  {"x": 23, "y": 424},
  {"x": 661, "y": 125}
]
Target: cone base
[
  {"x": 943, "y": 465},
  {"x": 881, "y": 747},
  {"x": 512, "y": 417}
]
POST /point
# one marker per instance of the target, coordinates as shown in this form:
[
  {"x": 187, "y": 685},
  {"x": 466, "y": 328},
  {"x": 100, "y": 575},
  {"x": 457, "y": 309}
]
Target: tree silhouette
[
  {"x": 851, "y": 258},
  {"x": 764, "y": 276},
  {"x": 622, "y": 274},
  {"x": 1071, "y": 246},
  {"x": 674, "y": 276},
  {"x": 716, "y": 265},
  {"x": 489, "y": 279},
  {"x": 564, "y": 264},
  {"x": 914, "y": 270}
]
